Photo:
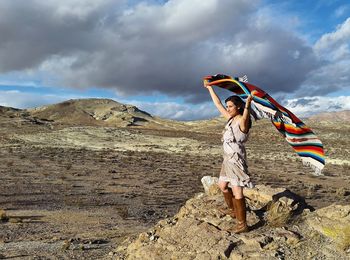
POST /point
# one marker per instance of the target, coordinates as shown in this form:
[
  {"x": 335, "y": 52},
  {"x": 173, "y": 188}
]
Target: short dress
[{"x": 234, "y": 167}]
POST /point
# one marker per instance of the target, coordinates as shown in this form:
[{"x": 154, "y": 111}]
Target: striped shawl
[{"x": 304, "y": 142}]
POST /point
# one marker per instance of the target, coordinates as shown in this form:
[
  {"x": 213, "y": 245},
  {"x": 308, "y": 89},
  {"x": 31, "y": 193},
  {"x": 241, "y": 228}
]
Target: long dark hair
[{"x": 240, "y": 104}]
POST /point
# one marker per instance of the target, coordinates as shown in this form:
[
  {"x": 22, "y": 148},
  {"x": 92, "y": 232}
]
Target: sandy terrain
[{"x": 77, "y": 191}]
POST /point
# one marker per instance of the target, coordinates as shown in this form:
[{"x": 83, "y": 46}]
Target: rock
[
  {"x": 280, "y": 203},
  {"x": 333, "y": 222},
  {"x": 254, "y": 241},
  {"x": 341, "y": 192},
  {"x": 198, "y": 231},
  {"x": 210, "y": 185},
  {"x": 262, "y": 195},
  {"x": 188, "y": 239},
  {"x": 291, "y": 238},
  {"x": 280, "y": 212},
  {"x": 66, "y": 245},
  {"x": 3, "y": 216}
]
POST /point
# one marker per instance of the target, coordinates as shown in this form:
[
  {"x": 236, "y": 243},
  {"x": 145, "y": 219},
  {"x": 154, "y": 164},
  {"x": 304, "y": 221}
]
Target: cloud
[
  {"x": 341, "y": 10},
  {"x": 327, "y": 46},
  {"x": 308, "y": 106},
  {"x": 333, "y": 50},
  {"x": 177, "y": 111},
  {"x": 151, "y": 47},
  {"x": 19, "y": 99}
]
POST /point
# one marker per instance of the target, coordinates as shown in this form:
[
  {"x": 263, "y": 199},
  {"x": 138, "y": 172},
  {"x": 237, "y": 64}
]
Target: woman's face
[{"x": 232, "y": 109}]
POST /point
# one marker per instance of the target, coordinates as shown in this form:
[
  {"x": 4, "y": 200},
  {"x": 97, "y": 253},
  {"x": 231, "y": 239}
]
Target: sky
[{"x": 153, "y": 54}]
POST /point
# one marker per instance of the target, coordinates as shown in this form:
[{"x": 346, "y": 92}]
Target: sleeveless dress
[{"x": 234, "y": 167}]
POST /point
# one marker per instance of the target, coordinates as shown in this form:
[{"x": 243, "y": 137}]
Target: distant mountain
[
  {"x": 340, "y": 116},
  {"x": 104, "y": 112}
]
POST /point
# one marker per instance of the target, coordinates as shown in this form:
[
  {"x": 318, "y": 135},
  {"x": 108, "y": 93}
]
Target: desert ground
[{"x": 73, "y": 190}]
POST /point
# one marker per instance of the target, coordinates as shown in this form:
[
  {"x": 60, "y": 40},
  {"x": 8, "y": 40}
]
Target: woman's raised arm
[
  {"x": 217, "y": 102},
  {"x": 244, "y": 123}
]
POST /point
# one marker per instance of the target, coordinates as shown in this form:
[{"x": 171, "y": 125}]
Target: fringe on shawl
[{"x": 317, "y": 171}]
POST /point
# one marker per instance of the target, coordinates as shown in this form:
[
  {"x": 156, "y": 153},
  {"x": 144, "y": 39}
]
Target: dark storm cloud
[
  {"x": 150, "y": 47},
  {"x": 32, "y": 31}
]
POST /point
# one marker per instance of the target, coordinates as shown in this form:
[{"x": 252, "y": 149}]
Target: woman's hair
[{"x": 240, "y": 104}]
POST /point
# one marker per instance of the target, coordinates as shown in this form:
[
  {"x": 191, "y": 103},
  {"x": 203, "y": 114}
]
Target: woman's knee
[{"x": 223, "y": 186}]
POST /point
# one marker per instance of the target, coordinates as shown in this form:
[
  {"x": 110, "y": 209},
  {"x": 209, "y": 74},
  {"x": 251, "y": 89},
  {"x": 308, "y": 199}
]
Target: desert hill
[
  {"x": 9, "y": 111},
  {"x": 339, "y": 116},
  {"x": 102, "y": 112},
  {"x": 92, "y": 112}
]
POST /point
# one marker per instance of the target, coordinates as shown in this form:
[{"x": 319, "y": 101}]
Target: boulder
[
  {"x": 210, "y": 185},
  {"x": 333, "y": 222}
]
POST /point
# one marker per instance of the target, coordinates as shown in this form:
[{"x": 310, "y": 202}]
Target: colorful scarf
[{"x": 304, "y": 142}]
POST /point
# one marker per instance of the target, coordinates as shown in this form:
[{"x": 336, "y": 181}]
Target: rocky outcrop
[{"x": 282, "y": 226}]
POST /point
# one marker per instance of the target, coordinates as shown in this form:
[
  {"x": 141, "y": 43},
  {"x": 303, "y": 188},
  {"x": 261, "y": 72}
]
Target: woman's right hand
[{"x": 205, "y": 84}]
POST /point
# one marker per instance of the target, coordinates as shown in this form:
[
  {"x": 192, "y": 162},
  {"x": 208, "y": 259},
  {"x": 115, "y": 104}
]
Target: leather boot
[
  {"x": 229, "y": 199},
  {"x": 241, "y": 215}
]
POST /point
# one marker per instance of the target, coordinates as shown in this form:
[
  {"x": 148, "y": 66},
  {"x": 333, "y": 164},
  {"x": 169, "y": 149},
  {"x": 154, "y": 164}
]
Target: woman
[{"x": 234, "y": 172}]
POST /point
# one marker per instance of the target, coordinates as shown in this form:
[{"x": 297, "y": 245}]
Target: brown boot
[
  {"x": 230, "y": 209},
  {"x": 241, "y": 215}
]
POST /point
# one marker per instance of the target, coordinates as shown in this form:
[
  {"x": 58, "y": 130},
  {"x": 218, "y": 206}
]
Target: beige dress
[{"x": 234, "y": 167}]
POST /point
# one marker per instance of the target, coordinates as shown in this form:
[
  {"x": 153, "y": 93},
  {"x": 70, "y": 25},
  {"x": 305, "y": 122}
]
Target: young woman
[{"x": 234, "y": 171}]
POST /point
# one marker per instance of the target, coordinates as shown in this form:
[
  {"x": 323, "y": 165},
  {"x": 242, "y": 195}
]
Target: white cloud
[
  {"x": 307, "y": 106},
  {"x": 18, "y": 99},
  {"x": 341, "y": 10},
  {"x": 72, "y": 8},
  {"x": 31, "y": 84},
  {"x": 328, "y": 44},
  {"x": 177, "y": 111},
  {"x": 334, "y": 50}
]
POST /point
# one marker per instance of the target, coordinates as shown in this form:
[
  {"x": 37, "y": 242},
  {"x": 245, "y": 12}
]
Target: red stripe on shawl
[
  {"x": 300, "y": 139},
  {"x": 313, "y": 149},
  {"x": 292, "y": 129}
]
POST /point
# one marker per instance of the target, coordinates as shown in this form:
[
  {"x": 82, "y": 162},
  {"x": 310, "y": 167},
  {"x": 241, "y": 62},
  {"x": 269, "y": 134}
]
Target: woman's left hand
[{"x": 249, "y": 99}]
